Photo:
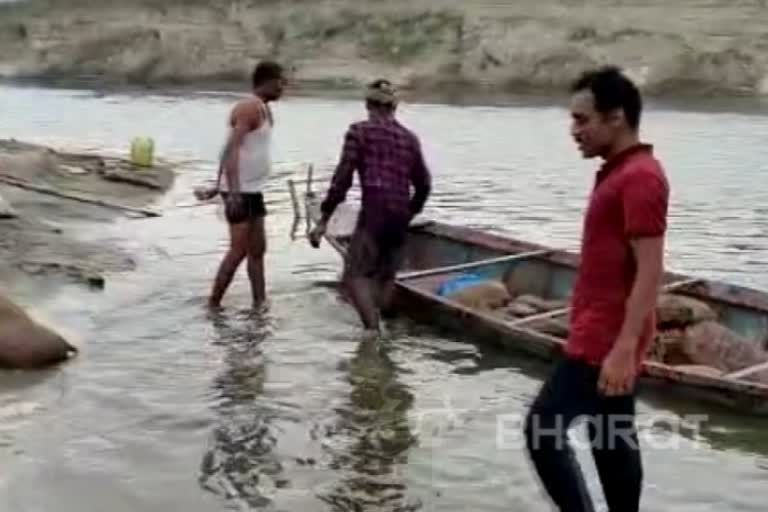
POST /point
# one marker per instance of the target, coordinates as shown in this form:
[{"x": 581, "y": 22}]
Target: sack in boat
[
  {"x": 519, "y": 309},
  {"x": 667, "y": 347},
  {"x": 526, "y": 278},
  {"x": 486, "y": 295},
  {"x": 710, "y": 343},
  {"x": 679, "y": 310},
  {"x": 25, "y": 343}
]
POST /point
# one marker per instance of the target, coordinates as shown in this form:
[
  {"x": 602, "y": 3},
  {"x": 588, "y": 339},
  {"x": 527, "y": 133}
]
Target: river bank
[
  {"x": 47, "y": 193},
  {"x": 692, "y": 48}
]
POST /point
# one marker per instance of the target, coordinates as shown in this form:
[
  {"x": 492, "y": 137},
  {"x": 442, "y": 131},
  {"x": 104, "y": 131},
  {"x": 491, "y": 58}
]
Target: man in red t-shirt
[{"x": 613, "y": 303}]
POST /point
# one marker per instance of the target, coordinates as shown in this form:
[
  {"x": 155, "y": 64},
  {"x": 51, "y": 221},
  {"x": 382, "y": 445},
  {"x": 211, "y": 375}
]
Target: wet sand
[{"x": 40, "y": 229}]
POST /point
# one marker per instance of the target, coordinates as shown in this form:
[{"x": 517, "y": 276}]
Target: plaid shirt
[{"x": 388, "y": 159}]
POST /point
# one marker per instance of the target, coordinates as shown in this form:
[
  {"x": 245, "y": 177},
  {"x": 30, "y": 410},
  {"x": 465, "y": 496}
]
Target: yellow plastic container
[{"x": 143, "y": 151}]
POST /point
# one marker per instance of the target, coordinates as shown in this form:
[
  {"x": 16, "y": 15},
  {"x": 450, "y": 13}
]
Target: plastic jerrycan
[{"x": 143, "y": 151}]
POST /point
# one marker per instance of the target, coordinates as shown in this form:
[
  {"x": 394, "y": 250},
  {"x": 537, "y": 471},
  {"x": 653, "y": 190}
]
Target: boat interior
[
  {"x": 726, "y": 325},
  {"x": 468, "y": 268}
]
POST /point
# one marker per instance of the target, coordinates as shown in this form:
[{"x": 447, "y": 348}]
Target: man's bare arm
[{"x": 649, "y": 255}]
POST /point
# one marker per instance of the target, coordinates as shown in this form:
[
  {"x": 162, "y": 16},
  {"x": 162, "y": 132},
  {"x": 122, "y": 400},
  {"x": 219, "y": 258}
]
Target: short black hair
[
  {"x": 611, "y": 89},
  {"x": 379, "y": 83},
  {"x": 265, "y": 71}
]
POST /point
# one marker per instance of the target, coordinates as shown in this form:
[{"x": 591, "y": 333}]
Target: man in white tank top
[{"x": 244, "y": 169}]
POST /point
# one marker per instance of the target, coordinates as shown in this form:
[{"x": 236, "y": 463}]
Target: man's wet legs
[
  {"x": 562, "y": 399},
  {"x": 616, "y": 451},
  {"x": 571, "y": 392},
  {"x": 257, "y": 247},
  {"x": 238, "y": 250}
]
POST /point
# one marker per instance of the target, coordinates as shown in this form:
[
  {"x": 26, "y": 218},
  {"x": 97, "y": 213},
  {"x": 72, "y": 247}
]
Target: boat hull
[{"x": 435, "y": 245}]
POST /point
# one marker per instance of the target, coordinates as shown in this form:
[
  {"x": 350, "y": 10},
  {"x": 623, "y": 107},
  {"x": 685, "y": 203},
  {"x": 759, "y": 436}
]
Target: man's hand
[
  {"x": 316, "y": 235},
  {"x": 205, "y": 193},
  {"x": 618, "y": 372}
]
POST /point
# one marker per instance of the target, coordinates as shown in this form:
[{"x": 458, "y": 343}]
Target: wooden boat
[{"x": 437, "y": 252}]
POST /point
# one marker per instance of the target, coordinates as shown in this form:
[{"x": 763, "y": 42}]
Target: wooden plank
[
  {"x": 23, "y": 184},
  {"x": 294, "y": 199},
  {"x": 473, "y": 264},
  {"x": 562, "y": 311},
  {"x": 747, "y": 371},
  {"x": 310, "y": 173}
]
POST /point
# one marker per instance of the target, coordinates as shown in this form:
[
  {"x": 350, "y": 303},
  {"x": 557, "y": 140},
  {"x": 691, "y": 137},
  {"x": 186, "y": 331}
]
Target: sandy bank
[
  {"x": 685, "y": 47},
  {"x": 40, "y": 229}
]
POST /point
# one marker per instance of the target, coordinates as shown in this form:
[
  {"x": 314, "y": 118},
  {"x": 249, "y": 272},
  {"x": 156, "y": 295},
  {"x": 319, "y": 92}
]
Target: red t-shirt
[{"x": 629, "y": 200}]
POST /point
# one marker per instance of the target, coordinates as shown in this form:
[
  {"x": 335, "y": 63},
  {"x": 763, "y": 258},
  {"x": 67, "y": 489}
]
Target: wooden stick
[
  {"x": 747, "y": 371},
  {"x": 473, "y": 264},
  {"x": 310, "y": 172},
  {"x": 294, "y": 199},
  {"x": 16, "y": 182},
  {"x": 310, "y": 180},
  {"x": 561, "y": 311}
]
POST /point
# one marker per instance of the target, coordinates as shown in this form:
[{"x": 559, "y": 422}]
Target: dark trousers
[{"x": 571, "y": 393}]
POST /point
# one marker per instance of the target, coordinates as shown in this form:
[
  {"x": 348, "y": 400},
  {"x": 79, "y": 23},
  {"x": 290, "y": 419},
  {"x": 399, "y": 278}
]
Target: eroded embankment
[{"x": 687, "y": 47}]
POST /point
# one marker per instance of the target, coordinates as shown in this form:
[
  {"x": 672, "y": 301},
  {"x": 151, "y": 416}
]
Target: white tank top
[{"x": 254, "y": 158}]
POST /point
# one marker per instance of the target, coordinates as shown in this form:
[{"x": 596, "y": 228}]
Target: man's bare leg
[
  {"x": 257, "y": 247},
  {"x": 238, "y": 249},
  {"x": 363, "y": 297},
  {"x": 386, "y": 296}
]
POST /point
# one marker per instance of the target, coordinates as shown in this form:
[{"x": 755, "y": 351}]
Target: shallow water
[{"x": 170, "y": 408}]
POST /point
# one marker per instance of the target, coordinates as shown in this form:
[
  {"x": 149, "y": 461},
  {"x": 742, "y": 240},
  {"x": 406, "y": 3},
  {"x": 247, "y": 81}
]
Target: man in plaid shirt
[{"x": 388, "y": 159}]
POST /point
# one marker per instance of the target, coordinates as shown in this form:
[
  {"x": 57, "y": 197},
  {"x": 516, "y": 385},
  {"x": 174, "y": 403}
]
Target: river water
[{"x": 170, "y": 408}]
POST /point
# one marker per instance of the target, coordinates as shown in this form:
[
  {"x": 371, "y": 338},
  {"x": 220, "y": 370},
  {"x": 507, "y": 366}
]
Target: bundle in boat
[
  {"x": 501, "y": 298},
  {"x": 25, "y": 343},
  {"x": 690, "y": 338},
  {"x": 712, "y": 344},
  {"x": 529, "y": 305},
  {"x": 674, "y": 314},
  {"x": 484, "y": 295},
  {"x": 674, "y": 310}
]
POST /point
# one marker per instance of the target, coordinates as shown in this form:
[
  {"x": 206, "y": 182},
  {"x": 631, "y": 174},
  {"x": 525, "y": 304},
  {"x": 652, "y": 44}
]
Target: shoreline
[
  {"x": 47, "y": 193},
  {"x": 464, "y": 95},
  {"x": 446, "y": 51}
]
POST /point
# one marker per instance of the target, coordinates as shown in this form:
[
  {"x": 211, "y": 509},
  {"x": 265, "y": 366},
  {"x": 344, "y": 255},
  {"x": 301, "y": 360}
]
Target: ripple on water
[{"x": 172, "y": 408}]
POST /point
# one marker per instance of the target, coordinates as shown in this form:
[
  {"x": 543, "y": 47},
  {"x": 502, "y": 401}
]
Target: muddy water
[{"x": 170, "y": 408}]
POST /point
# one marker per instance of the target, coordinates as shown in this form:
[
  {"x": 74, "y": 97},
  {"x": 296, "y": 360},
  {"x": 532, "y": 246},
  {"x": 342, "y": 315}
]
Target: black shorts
[{"x": 252, "y": 207}]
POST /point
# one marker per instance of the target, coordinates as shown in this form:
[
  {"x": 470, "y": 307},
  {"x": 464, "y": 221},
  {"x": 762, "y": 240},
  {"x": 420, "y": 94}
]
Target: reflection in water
[
  {"x": 371, "y": 437},
  {"x": 703, "y": 422},
  {"x": 240, "y": 463}
]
